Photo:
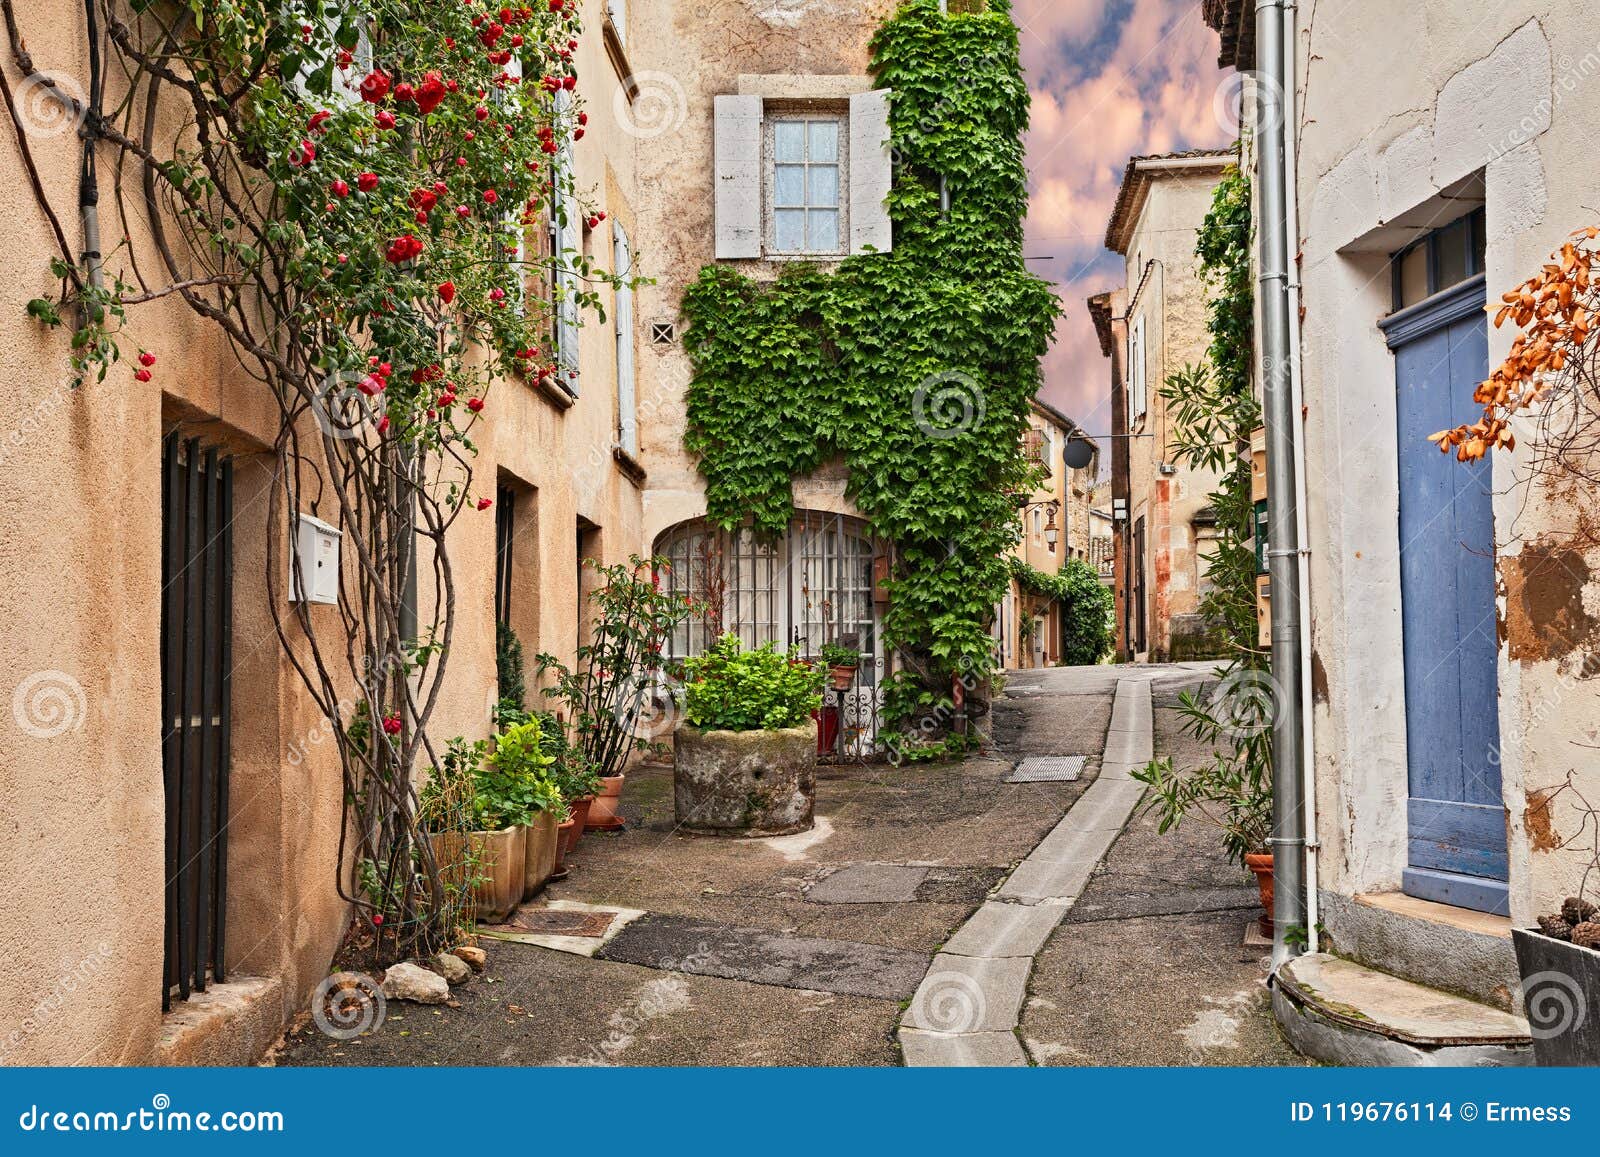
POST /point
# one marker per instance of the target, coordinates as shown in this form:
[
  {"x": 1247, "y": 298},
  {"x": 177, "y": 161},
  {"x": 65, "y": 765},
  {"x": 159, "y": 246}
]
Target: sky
[{"x": 1110, "y": 79}]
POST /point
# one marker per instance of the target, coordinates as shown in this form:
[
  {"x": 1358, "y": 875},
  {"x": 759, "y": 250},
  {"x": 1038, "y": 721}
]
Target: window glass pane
[
  {"x": 1455, "y": 248},
  {"x": 824, "y": 231},
  {"x": 1414, "y": 276},
  {"x": 790, "y": 139},
  {"x": 824, "y": 186},
  {"x": 791, "y": 230},
  {"x": 789, "y": 186},
  {"x": 824, "y": 140}
]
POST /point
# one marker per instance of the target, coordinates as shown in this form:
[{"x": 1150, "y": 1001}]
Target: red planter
[
  {"x": 580, "y": 815},
  {"x": 1261, "y": 865}
]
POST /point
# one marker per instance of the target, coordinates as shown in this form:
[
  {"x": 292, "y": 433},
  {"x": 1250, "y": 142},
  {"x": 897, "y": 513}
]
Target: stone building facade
[{"x": 1156, "y": 328}]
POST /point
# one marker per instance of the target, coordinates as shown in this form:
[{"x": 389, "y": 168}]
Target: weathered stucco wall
[
  {"x": 81, "y": 789},
  {"x": 1499, "y": 110}
]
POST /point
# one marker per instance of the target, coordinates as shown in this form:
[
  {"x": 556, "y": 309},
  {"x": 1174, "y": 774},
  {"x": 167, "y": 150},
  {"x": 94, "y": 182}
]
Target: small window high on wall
[{"x": 1440, "y": 260}]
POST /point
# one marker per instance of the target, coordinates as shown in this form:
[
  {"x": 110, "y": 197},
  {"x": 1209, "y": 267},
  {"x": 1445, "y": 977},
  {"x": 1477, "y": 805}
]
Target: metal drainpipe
[
  {"x": 1291, "y": 167},
  {"x": 1288, "y": 836}
]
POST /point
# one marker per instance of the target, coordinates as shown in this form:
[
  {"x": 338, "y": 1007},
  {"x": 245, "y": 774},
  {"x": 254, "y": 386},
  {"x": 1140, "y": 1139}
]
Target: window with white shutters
[{"x": 802, "y": 183}]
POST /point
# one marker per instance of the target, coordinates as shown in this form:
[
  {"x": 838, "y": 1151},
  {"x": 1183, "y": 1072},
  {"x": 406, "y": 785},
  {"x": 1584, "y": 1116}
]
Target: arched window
[{"x": 810, "y": 586}]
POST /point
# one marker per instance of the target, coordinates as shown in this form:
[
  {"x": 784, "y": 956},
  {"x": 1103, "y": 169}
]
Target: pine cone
[
  {"x": 1587, "y": 935},
  {"x": 1555, "y": 927},
  {"x": 1575, "y": 911}
]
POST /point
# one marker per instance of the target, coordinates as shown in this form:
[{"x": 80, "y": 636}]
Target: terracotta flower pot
[
  {"x": 501, "y": 867},
  {"x": 580, "y": 812},
  {"x": 842, "y": 677},
  {"x": 1261, "y": 864},
  {"x": 541, "y": 853},
  {"x": 564, "y": 845},
  {"x": 603, "y": 815}
]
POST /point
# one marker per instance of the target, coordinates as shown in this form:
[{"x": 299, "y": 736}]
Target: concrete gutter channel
[{"x": 968, "y": 1007}]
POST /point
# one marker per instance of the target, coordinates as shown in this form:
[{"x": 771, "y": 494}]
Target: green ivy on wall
[{"x": 916, "y": 366}]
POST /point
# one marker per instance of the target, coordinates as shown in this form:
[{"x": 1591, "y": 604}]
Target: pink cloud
[{"x": 1109, "y": 81}]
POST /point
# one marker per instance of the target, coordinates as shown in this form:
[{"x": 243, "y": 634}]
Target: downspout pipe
[
  {"x": 1283, "y": 525},
  {"x": 88, "y": 177},
  {"x": 1291, "y": 168}
]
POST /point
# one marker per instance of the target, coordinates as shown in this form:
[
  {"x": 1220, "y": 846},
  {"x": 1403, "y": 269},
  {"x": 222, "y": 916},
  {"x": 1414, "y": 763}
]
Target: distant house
[
  {"x": 1149, "y": 329},
  {"x": 1055, "y": 528}
]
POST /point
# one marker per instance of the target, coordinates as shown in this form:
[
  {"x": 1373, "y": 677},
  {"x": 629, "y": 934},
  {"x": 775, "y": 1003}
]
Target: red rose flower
[
  {"x": 302, "y": 156},
  {"x": 424, "y": 199},
  {"x": 569, "y": 82},
  {"x": 383, "y": 424},
  {"x": 402, "y": 249},
  {"x": 340, "y": 189},
  {"x": 384, "y": 119},
  {"x": 375, "y": 86},
  {"x": 141, "y": 375},
  {"x": 404, "y": 93},
  {"x": 371, "y": 385},
  {"x": 314, "y": 125},
  {"x": 475, "y": 405},
  {"x": 367, "y": 182},
  {"x": 447, "y": 292},
  {"x": 490, "y": 196},
  {"x": 430, "y": 93},
  {"x": 147, "y": 359},
  {"x": 485, "y": 503},
  {"x": 391, "y": 724}
]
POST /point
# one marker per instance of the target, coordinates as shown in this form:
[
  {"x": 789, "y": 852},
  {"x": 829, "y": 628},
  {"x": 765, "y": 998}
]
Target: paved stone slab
[
  {"x": 980, "y": 1050},
  {"x": 869, "y": 884},
  {"x": 999, "y": 930},
  {"x": 1039, "y": 880},
  {"x": 616, "y": 919},
  {"x": 1130, "y": 905},
  {"x": 958, "y": 885},
  {"x": 761, "y": 956},
  {"x": 1106, "y": 806},
  {"x": 964, "y": 994},
  {"x": 1048, "y": 769}
]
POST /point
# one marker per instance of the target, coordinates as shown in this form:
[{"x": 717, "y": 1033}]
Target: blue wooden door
[{"x": 1456, "y": 817}]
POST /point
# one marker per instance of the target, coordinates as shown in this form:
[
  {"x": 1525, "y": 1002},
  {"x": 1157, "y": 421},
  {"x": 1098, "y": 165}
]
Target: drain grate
[
  {"x": 1048, "y": 769},
  {"x": 555, "y": 922}
]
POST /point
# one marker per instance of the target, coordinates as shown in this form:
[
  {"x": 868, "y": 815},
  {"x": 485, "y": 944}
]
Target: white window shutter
[
  {"x": 627, "y": 410},
  {"x": 871, "y": 172},
  {"x": 737, "y": 145},
  {"x": 568, "y": 250}
]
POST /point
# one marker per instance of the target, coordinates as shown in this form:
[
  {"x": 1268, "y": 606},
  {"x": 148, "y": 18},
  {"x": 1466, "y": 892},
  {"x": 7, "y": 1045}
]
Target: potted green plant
[
  {"x": 1560, "y": 959},
  {"x": 1232, "y": 789},
  {"x": 495, "y": 842},
  {"x": 745, "y": 762},
  {"x": 841, "y": 662},
  {"x": 518, "y": 775},
  {"x": 617, "y": 673}
]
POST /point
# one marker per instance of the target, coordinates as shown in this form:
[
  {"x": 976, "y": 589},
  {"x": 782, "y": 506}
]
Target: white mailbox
[{"x": 315, "y": 546}]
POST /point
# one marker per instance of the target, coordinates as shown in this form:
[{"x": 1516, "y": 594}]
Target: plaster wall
[
  {"x": 81, "y": 786},
  {"x": 1498, "y": 111}
]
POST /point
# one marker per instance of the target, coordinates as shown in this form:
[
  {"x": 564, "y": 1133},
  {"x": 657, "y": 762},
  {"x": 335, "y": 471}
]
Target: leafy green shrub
[
  {"x": 509, "y": 783},
  {"x": 509, "y": 665},
  {"x": 731, "y": 689},
  {"x": 1088, "y": 615}
]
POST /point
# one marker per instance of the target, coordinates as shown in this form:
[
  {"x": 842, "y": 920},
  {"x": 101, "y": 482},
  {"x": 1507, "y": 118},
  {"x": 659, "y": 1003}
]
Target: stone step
[{"x": 1345, "y": 1013}]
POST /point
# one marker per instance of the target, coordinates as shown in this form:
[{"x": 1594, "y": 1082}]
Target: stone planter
[
  {"x": 502, "y": 865},
  {"x": 541, "y": 853},
  {"x": 745, "y": 783},
  {"x": 1561, "y": 991}
]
